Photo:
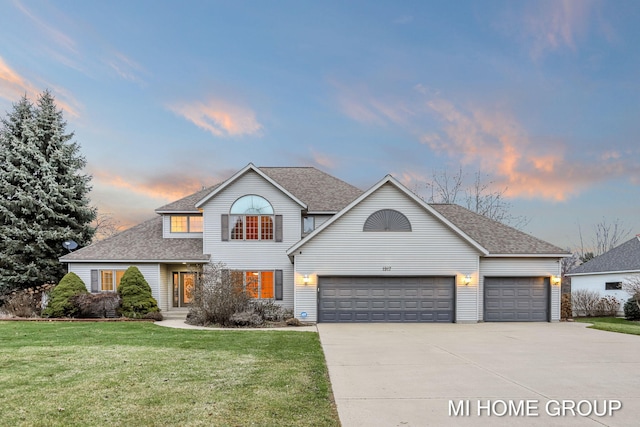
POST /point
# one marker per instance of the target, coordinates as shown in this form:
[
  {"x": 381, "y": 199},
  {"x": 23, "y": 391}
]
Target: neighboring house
[
  {"x": 334, "y": 253},
  {"x": 605, "y": 273}
]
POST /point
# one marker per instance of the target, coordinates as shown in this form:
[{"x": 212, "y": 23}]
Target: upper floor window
[
  {"x": 308, "y": 224},
  {"x": 251, "y": 218},
  {"x": 387, "y": 220},
  {"x": 186, "y": 223}
]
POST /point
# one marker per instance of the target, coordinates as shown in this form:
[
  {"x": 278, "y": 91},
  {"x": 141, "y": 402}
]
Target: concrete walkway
[{"x": 407, "y": 374}]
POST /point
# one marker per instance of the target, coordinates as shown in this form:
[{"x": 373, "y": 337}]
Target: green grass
[
  {"x": 140, "y": 374},
  {"x": 612, "y": 324}
]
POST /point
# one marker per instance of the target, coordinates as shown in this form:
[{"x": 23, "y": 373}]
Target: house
[
  {"x": 605, "y": 273},
  {"x": 334, "y": 253}
]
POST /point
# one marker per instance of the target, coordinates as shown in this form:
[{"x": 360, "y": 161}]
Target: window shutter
[
  {"x": 225, "y": 227},
  {"x": 95, "y": 285},
  {"x": 278, "y": 228},
  {"x": 278, "y": 285}
]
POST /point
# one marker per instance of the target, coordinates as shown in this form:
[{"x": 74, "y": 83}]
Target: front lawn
[
  {"x": 141, "y": 374},
  {"x": 612, "y": 324}
]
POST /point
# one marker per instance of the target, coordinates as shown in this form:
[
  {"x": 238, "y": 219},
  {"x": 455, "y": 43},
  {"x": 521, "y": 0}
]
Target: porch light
[
  {"x": 306, "y": 279},
  {"x": 555, "y": 280},
  {"x": 467, "y": 279}
]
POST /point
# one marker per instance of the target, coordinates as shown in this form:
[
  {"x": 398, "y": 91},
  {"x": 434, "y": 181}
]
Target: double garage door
[{"x": 386, "y": 299}]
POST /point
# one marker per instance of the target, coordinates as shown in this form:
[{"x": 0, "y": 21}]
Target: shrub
[
  {"x": 584, "y": 302},
  {"x": 22, "y": 304},
  {"x": 246, "y": 318},
  {"x": 217, "y": 296},
  {"x": 565, "y": 306},
  {"x": 135, "y": 292},
  {"x": 606, "y": 306},
  {"x": 155, "y": 315},
  {"x": 270, "y": 311},
  {"x": 60, "y": 304},
  {"x": 97, "y": 305},
  {"x": 632, "y": 309}
]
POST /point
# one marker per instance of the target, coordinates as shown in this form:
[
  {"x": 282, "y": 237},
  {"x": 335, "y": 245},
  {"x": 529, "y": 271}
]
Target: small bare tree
[
  {"x": 106, "y": 226},
  {"x": 478, "y": 196},
  {"x": 606, "y": 236},
  {"x": 631, "y": 285}
]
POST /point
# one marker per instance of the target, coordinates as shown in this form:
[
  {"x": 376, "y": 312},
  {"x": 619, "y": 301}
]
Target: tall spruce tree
[{"x": 43, "y": 194}]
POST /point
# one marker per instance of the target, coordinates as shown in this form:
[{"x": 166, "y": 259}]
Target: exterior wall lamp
[
  {"x": 306, "y": 279},
  {"x": 467, "y": 280},
  {"x": 555, "y": 280}
]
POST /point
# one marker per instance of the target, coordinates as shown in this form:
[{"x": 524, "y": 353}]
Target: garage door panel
[
  {"x": 386, "y": 299},
  {"x": 516, "y": 299}
]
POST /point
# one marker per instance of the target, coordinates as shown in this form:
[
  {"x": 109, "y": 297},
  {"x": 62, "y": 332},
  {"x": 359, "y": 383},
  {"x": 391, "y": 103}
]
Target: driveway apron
[{"x": 509, "y": 374}]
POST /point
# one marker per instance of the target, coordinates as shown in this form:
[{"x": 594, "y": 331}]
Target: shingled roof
[
  {"x": 320, "y": 191},
  {"x": 188, "y": 203},
  {"x": 143, "y": 242},
  {"x": 625, "y": 257},
  {"x": 494, "y": 236}
]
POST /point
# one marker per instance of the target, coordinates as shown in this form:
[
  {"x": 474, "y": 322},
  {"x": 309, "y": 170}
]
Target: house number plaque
[{"x": 386, "y": 268}]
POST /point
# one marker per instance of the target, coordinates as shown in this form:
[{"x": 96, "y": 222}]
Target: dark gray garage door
[
  {"x": 386, "y": 299},
  {"x": 516, "y": 299}
]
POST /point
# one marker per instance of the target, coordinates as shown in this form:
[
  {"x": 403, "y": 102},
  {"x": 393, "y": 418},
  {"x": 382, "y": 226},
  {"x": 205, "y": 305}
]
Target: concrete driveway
[{"x": 522, "y": 373}]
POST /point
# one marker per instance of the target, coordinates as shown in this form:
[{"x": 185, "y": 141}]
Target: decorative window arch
[
  {"x": 387, "y": 220},
  {"x": 251, "y": 217},
  {"x": 251, "y": 205}
]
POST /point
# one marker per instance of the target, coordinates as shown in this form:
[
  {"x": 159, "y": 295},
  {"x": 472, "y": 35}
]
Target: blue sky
[{"x": 167, "y": 96}]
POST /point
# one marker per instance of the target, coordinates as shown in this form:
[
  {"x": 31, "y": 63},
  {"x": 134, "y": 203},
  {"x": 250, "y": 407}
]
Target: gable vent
[{"x": 387, "y": 220}]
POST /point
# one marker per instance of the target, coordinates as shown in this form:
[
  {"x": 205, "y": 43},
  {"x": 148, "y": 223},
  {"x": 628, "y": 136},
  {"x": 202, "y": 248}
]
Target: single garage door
[
  {"x": 386, "y": 299},
  {"x": 516, "y": 299}
]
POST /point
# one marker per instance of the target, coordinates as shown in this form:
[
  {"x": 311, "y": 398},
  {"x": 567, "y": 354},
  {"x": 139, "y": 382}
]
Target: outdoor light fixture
[
  {"x": 555, "y": 280},
  {"x": 467, "y": 279},
  {"x": 305, "y": 279}
]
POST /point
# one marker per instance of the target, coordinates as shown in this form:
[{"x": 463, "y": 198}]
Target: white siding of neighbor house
[
  {"x": 150, "y": 271},
  {"x": 254, "y": 255},
  {"x": 166, "y": 230},
  {"x": 596, "y": 282},
  {"x": 430, "y": 249},
  {"x": 521, "y": 267}
]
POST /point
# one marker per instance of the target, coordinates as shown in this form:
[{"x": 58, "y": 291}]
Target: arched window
[
  {"x": 387, "y": 220},
  {"x": 251, "y": 218}
]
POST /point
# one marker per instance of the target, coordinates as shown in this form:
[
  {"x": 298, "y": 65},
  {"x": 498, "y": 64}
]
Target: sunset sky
[{"x": 167, "y": 96}]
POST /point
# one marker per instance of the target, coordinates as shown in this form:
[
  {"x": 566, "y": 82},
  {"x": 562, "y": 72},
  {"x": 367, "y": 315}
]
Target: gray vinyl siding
[
  {"x": 254, "y": 255},
  {"x": 150, "y": 271},
  {"x": 522, "y": 267},
  {"x": 343, "y": 249},
  {"x": 166, "y": 230}
]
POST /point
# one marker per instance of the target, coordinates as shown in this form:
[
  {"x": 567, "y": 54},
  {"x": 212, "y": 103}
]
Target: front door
[{"x": 183, "y": 285}]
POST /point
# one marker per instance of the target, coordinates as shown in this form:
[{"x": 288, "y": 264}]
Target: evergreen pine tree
[{"x": 43, "y": 194}]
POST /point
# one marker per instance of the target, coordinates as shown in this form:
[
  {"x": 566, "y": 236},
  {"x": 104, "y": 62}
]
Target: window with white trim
[
  {"x": 186, "y": 223},
  {"x": 251, "y": 218},
  {"x": 110, "y": 280}
]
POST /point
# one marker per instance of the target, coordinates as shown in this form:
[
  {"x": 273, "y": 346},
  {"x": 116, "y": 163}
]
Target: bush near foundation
[
  {"x": 100, "y": 305},
  {"x": 60, "y": 302},
  {"x": 631, "y": 309},
  {"x": 135, "y": 292}
]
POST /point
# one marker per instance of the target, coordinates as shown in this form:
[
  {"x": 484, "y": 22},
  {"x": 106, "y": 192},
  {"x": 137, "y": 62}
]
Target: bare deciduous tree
[
  {"x": 105, "y": 226},
  {"x": 606, "y": 236},
  {"x": 478, "y": 196}
]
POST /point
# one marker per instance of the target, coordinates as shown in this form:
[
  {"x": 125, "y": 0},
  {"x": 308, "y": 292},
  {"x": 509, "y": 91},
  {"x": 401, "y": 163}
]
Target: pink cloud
[
  {"x": 219, "y": 117},
  {"x": 13, "y": 86},
  {"x": 558, "y": 24},
  {"x": 497, "y": 142}
]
